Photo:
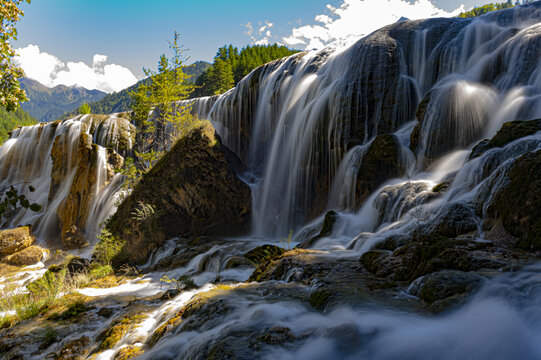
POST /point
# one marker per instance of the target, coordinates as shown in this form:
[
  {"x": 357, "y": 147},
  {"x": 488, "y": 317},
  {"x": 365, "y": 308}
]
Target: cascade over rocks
[
  {"x": 71, "y": 164},
  {"x": 194, "y": 191}
]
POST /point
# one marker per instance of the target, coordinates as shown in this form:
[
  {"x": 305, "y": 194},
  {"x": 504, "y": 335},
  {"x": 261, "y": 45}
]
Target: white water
[
  {"x": 26, "y": 160},
  {"x": 293, "y": 122}
]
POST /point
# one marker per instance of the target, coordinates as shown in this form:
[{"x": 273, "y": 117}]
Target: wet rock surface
[{"x": 195, "y": 192}]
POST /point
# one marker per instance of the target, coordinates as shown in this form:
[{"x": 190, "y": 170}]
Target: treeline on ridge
[
  {"x": 230, "y": 66},
  {"x": 478, "y": 11}
]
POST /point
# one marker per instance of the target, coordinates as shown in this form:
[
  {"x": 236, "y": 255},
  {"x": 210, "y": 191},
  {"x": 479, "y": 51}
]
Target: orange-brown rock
[
  {"x": 14, "y": 240},
  {"x": 29, "y": 256}
]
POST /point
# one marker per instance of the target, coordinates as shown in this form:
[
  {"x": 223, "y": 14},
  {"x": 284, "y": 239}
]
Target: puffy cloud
[
  {"x": 353, "y": 19},
  {"x": 356, "y": 18},
  {"x": 51, "y": 71}
]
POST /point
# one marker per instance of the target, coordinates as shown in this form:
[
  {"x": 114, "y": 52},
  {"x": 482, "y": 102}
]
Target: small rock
[
  {"x": 29, "y": 256},
  {"x": 14, "y": 240}
]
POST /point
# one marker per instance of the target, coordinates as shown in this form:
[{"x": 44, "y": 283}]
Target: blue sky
[{"x": 133, "y": 33}]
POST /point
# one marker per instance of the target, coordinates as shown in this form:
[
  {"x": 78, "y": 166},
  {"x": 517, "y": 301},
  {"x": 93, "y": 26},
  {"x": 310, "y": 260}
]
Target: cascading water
[
  {"x": 409, "y": 103},
  {"x": 299, "y": 124},
  {"x": 67, "y": 164}
]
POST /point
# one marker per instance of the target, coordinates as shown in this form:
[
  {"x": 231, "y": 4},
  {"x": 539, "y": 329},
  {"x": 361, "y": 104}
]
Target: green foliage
[
  {"x": 285, "y": 243},
  {"x": 10, "y": 120},
  {"x": 75, "y": 308},
  {"x": 169, "y": 120},
  {"x": 11, "y": 94},
  {"x": 181, "y": 284},
  {"x": 49, "y": 286},
  {"x": 10, "y": 199},
  {"x": 107, "y": 248},
  {"x": 478, "y": 11},
  {"x": 84, "y": 109},
  {"x": 48, "y": 337},
  {"x": 143, "y": 212},
  {"x": 98, "y": 271},
  {"x": 230, "y": 66}
]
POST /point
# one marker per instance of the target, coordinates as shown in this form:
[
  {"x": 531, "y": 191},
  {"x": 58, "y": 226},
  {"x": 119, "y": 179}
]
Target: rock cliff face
[
  {"x": 71, "y": 164},
  {"x": 193, "y": 191}
]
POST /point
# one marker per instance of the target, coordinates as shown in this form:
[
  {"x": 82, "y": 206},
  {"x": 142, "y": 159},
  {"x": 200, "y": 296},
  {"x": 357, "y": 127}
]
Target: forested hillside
[
  {"x": 230, "y": 66},
  {"x": 9, "y": 120}
]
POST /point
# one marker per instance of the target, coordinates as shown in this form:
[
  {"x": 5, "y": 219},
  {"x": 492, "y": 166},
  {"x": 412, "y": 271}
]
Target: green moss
[
  {"x": 118, "y": 329},
  {"x": 74, "y": 309},
  {"x": 128, "y": 352},
  {"x": 319, "y": 298}
]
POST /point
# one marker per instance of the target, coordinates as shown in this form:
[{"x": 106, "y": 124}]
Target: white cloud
[
  {"x": 262, "y": 36},
  {"x": 356, "y": 18},
  {"x": 51, "y": 71}
]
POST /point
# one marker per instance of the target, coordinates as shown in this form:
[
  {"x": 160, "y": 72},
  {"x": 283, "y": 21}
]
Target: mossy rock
[
  {"x": 29, "y": 256},
  {"x": 441, "y": 285},
  {"x": 326, "y": 229},
  {"x": 264, "y": 253},
  {"x": 195, "y": 192},
  {"x": 509, "y": 132},
  {"x": 128, "y": 352},
  {"x": 120, "y": 327},
  {"x": 518, "y": 202}
]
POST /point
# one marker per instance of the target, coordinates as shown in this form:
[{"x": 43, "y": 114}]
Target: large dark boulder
[
  {"x": 380, "y": 163},
  {"x": 192, "y": 191},
  {"x": 509, "y": 132},
  {"x": 518, "y": 203}
]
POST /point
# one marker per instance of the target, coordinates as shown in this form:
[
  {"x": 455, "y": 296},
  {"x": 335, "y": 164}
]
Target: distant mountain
[
  {"x": 120, "y": 101},
  {"x": 48, "y": 104},
  {"x": 9, "y": 120}
]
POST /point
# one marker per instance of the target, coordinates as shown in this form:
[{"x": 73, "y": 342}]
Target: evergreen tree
[
  {"x": 169, "y": 120},
  {"x": 230, "y": 66}
]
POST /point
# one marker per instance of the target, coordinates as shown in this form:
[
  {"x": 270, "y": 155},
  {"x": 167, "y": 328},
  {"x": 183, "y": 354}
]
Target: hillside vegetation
[
  {"x": 478, "y": 11},
  {"x": 230, "y": 66},
  {"x": 9, "y": 120}
]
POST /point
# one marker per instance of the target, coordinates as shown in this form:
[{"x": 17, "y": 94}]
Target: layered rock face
[
  {"x": 71, "y": 164},
  {"x": 192, "y": 191},
  {"x": 303, "y": 124}
]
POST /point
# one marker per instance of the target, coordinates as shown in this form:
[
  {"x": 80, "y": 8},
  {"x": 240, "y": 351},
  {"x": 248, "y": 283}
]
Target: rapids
[{"x": 303, "y": 127}]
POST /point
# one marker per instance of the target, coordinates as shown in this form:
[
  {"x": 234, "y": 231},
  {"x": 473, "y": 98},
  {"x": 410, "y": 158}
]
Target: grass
[{"x": 49, "y": 292}]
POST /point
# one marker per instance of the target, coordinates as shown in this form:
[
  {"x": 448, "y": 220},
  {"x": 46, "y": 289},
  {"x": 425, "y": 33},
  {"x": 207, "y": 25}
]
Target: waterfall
[
  {"x": 302, "y": 124},
  {"x": 70, "y": 164}
]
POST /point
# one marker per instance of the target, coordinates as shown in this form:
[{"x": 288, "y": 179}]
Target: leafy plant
[
  {"x": 10, "y": 199},
  {"x": 48, "y": 337},
  {"x": 285, "y": 243},
  {"x": 84, "y": 109},
  {"x": 182, "y": 283},
  {"x": 107, "y": 248}
]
